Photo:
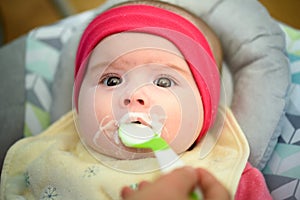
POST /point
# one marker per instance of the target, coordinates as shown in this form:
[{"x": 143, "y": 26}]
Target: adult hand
[{"x": 178, "y": 185}]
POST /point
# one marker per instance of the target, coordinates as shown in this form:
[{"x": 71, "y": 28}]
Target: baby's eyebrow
[
  {"x": 116, "y": 64},
  {"x": 178, "y": 68},
  {"x": 121, "y": 64},
  {"x": 100, "y": 65}
]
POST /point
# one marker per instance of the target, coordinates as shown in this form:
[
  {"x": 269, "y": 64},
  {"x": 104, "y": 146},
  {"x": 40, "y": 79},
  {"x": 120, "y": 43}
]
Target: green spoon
[{"x": 141, "y": 136}]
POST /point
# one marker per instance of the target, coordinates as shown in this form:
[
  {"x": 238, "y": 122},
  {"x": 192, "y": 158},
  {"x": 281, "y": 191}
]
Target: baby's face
[{"x": 138, "y": 78}]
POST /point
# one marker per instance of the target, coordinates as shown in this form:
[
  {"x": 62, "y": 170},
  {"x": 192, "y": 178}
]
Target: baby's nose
[
  {"x": 139, "y": 98},
  {"x": 138, "y": 101}
]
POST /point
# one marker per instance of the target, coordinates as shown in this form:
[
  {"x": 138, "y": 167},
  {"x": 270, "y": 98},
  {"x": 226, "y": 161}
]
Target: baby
[{"x": 144, "y": 62}]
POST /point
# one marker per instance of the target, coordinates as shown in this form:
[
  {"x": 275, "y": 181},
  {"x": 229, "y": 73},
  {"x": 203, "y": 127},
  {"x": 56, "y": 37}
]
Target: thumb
[
  {"x": 182, "y": 181},
  {"x": 212, "y": 189}
]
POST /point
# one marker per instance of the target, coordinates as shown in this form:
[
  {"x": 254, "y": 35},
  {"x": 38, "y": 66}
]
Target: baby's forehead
[
  {"x": 118, "y": 46},
  {"x": 129, "y": 41},
  {"x": 146, "y": 59}
]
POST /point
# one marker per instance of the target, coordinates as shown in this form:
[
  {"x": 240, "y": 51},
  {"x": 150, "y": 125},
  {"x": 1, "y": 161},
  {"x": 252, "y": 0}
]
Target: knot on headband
[{"x": 182, "y": 33}]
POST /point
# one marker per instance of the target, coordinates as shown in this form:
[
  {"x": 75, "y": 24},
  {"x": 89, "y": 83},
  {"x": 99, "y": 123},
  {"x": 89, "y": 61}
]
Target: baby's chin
[
  {"x": 124, "y": 153},
  {"x": 108, "y": 145},
  {"x": 134, "y": 154}
]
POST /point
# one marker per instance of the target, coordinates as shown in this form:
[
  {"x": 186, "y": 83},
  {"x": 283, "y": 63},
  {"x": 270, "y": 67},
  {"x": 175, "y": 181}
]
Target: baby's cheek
[
  {"x": 171, "y": 128},
  {"x": 102, "y": 105},
  {"x": 181, "y": 133}
]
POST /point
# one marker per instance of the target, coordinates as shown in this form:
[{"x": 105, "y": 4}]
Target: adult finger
[
  {"x": 212, "y": 189},
  {"x": 182, "y": 181},
  {"x": 176, "y": 185},
  {"x": 143, "y": 184},
  {"x": 126, "y": 192}
]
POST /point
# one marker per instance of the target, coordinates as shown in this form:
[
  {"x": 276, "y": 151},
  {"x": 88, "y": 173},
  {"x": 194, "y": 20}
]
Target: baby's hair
[{"x": 210, "y": 35}]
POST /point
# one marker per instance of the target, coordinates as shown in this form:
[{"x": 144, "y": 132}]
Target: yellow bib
[{"x": 55, "y": 164}]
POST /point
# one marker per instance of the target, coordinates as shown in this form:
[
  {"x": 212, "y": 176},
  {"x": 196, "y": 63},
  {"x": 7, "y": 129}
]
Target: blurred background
[{"x": 17, "y": 17}]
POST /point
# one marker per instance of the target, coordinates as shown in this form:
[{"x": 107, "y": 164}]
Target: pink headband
[{"x": 149, "y": 19}]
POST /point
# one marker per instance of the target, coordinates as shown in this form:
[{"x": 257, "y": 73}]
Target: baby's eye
[
  {"x": 164, "y": 82},
  {"x": 111, "y": 80}
]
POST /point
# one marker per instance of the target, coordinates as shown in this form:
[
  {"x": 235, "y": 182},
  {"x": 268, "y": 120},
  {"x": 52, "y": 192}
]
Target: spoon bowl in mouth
[{"x": 132, "y": 134}]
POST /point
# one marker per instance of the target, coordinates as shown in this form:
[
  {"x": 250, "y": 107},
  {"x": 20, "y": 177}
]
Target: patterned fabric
[
  {"x": 44, "y": 46},
  {"x": 282, "y": 172}
]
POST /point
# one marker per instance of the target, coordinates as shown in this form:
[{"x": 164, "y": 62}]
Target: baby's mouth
[
  {"x": 141, "y": 121},
  {"x": 136, "y": 118}
]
